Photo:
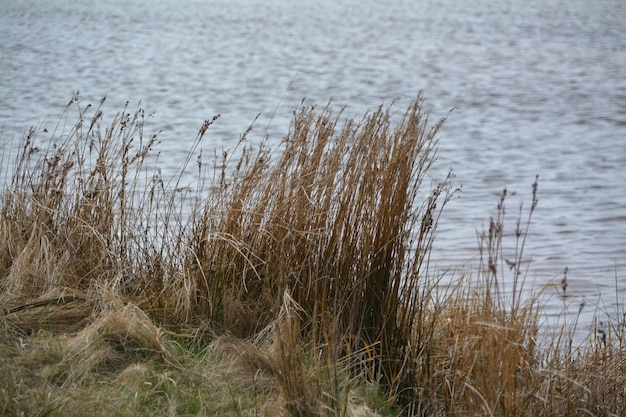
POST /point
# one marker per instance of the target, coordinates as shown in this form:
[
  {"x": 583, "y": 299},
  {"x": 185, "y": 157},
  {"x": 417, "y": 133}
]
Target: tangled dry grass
[{"x": 291, "y": 281}]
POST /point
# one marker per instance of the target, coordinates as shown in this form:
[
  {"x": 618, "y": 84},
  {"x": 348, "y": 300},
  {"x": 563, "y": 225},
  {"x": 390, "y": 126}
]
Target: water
[{"x": 538, "y": 87}]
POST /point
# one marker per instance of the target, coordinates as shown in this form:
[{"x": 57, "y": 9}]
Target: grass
[{"x": 288, "y": 281}]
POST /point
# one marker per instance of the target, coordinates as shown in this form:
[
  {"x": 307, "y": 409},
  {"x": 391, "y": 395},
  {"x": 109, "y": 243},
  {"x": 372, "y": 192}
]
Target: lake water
[{"x": 539, "y": 88}]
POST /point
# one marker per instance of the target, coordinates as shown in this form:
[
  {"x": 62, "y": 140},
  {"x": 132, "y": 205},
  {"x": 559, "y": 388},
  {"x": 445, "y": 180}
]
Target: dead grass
[{"x": 292, "y": 281}]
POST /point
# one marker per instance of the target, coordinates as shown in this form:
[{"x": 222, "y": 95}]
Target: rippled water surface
[{"x": 538, "y": 87}]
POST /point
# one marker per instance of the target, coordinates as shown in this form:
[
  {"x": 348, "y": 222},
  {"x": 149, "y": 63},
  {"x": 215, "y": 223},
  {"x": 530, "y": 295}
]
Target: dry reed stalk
[
  {"x": 335, "y": 220},
  {"x": 482, "y": 354},
  {"x": 278, "y": 360},
  {"x": 313, "y": 259},
  {"x": 68, "y": 217},
  {"x": 60, "y": 310}
]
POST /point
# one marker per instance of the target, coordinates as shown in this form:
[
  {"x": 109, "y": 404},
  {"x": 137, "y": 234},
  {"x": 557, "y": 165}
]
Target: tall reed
[
  {"x": 308, "y": 260},
  {"x": 335, "y": 221},
  {"x": 69, "y": 211}
]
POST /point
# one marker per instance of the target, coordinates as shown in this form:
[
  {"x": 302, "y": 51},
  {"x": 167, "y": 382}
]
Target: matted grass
[{"x": 290, "y": 281}]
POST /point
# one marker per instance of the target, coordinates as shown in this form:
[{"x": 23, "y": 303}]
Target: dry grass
[{"x": 292, "y": 281}]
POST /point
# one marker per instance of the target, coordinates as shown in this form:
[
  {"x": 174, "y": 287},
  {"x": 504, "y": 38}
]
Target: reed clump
[{"x": 287, "y": 281}]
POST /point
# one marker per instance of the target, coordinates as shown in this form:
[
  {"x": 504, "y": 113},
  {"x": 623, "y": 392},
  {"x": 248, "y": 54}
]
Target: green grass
[{"x": 290, "y": 281}]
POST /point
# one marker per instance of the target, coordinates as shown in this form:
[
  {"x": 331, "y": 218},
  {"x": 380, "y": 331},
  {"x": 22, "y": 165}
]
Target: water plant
[{"x": 279, "y": 281}]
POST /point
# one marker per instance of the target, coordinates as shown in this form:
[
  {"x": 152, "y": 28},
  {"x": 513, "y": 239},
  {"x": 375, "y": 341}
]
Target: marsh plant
[{"x": 280, "y": 281}]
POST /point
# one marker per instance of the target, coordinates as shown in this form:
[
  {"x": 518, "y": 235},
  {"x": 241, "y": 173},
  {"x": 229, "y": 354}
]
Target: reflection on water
[{"x": 538, "y": 88}]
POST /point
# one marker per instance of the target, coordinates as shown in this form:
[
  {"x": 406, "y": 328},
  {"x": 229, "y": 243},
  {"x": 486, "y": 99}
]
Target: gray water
[{"x": 538, "y": 87}]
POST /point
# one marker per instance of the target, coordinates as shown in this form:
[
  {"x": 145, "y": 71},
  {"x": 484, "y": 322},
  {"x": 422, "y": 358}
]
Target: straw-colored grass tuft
[
  {"x": 286, "y": 282},
  {"x": 58, "y": 310}
]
